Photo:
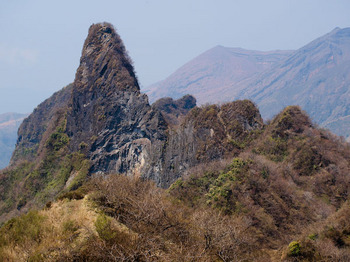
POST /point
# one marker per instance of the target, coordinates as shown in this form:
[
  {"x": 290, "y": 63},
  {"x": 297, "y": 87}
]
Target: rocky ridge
[{"x": 102, "y": 124}]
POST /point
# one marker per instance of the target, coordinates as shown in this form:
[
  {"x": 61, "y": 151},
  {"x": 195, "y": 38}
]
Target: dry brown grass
[
  {"x": 166, "y": 229},
  {"x": 64, "y": 227}
]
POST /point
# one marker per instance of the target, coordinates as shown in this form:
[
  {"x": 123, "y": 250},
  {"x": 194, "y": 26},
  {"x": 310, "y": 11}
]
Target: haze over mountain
[
  {"x": 208, "y": 75},
  {"x": 315, "y": 77},
  {"x": 9, "y": 123}
]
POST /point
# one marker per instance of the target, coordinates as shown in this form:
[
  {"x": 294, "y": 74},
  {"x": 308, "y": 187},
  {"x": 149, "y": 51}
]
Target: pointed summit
[
  {"x": 104, "y": 63},
  {"x": 108, "y": 119},
  {"x": 104, "y": 82}
]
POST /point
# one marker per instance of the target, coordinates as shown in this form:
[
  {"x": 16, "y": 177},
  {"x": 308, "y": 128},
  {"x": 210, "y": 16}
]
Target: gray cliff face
[
  {"x": 125, "y": 142},
  {"x": 206, "y": 134},
  {"x": 109, "y": 119}
]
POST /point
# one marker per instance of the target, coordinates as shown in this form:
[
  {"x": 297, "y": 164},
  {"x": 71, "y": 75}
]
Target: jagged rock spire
[
  {"x": 104, "y": 82},
  {"x": 109, "y": 119},
  {"x": 104, "y": 63}
]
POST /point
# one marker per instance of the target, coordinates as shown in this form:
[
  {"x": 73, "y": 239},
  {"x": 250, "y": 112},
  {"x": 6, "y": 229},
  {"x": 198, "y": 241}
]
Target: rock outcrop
[
  {"x": 103, "y": 124},
  {"x": 109, "y": 119},
  {"x": 175, "y": 110},
  {"x": 207, "y": 134}
]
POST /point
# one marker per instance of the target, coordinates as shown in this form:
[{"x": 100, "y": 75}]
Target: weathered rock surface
[
  {"x": 175, "y": 110},
  {"x": 109, "y": 118},
  {"x": 209, "y": 133}
]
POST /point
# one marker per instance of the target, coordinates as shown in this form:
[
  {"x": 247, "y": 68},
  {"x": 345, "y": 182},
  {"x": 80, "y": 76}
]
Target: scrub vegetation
[{"x": 269, "y": 203}]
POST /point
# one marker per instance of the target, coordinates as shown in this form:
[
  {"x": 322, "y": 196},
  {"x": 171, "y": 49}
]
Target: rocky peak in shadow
[{"x": 174, "y": 110}]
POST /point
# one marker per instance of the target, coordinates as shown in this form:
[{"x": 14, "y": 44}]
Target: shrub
[
  {"x": 21, "y": 228},
  {"x": 81, "y": 176},
  {"x": 313, "y": 236},
  {"x": 76, "y": 194},
  {"x": 294, "y": 249},
  {"x": 104, "y": 228},
  {"x": 275, "y": 148},
  {"x": 220, "y": 193}
]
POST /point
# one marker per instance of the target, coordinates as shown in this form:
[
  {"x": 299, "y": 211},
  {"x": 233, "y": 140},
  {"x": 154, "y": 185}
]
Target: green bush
[
  {"x": 220, "y": 194},
  {"x": 23, "y": 227},
  {"x": 76, "y": 194},
  {"x": 80, "y": 178},
  {"x": 313, "y": 236},
  {"x": 275, "y": 148},
  {"x": 294, "y": 249},
  {"x": 57, "y": 141},
  {"x": 104, "y": 227}
]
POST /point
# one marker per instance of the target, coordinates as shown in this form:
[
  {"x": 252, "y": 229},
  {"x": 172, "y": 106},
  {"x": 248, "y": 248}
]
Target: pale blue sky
[{"x": 41, "y": 40}]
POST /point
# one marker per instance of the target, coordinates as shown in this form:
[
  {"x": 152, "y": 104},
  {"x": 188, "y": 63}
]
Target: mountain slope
[
  {"x": 314, "y": 77},
  {"x": 9, "y": 123},
  {"x": 282, "y": 198},
  {"x": 207, "y": 75}
]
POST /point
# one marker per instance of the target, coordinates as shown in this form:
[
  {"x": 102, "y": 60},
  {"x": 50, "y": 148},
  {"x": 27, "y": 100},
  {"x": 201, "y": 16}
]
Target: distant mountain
[
  {"x": 316, "y": 77},
  {"x": 207, "y": 75},
  {"x": 9, "y": 123}
]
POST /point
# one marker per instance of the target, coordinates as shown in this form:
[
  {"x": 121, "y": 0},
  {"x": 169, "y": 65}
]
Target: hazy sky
[{"x": 41, "y": 40}]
